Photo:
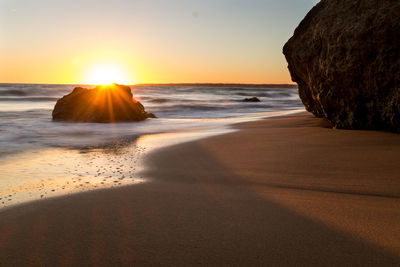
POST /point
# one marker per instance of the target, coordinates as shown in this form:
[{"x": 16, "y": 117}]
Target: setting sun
[{"x": 106, "y": 74}]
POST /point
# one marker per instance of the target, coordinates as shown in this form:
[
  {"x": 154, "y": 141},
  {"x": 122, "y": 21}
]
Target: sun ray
[{"x": 110, "y": 106}]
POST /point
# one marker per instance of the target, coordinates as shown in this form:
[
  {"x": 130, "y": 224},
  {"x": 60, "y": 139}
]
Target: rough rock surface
[
  {"x": 345, "y": 58},
  {"x": 112, "y": 103},
  {"x": 251, "y": 99}
]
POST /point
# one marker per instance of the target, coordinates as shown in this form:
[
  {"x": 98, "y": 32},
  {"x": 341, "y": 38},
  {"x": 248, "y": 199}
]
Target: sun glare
[{"x": 106, "y": 74}]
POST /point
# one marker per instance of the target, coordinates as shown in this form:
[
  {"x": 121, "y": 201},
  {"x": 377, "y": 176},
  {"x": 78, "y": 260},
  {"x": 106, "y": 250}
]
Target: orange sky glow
[{"x": 130, "y": 42}]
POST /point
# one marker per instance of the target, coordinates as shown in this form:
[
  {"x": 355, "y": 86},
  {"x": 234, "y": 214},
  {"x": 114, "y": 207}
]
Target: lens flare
[{"x": 106, "y": 74}]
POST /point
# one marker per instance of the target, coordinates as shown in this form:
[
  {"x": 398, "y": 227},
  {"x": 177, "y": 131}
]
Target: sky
[{"x": 147, "y": 41}]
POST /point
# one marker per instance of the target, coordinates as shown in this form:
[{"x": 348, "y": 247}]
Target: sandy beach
[{"x": 287, "y": 191}]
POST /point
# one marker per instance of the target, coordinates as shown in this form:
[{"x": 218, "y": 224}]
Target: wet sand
[
  {"x": 281, "y": 192},
  {"x": 51, "y": 172}
]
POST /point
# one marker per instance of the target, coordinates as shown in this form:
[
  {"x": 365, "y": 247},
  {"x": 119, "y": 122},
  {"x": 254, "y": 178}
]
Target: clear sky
[{"x": 147, "y": 41}]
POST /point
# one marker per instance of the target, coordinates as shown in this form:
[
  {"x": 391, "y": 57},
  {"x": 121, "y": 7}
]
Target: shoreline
[
  {"x": 44, "y": 173},
  {"x": 251, "y": 85},
  {"x": 285, "y": 190}
]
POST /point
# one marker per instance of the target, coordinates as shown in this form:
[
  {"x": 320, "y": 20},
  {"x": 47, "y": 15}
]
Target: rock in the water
[
  {"x": 112, "y": 103},
  {"x": 251, "y": 99},
  {"x": 345, "y": 58}
]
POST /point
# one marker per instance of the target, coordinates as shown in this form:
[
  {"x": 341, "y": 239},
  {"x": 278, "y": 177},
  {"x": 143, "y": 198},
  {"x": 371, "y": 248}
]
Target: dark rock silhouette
[
  {"x": 251, "y": 99},
  {"x": 112, "y": 103},
  {"x": 345, "y": 58}
]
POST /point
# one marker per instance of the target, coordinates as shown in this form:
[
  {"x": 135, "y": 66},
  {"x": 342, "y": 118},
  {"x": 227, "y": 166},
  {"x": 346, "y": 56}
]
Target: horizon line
[{"x": 174, "y": 84}]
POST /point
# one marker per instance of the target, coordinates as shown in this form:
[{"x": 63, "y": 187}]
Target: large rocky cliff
[{"x": 345, "y": 58}]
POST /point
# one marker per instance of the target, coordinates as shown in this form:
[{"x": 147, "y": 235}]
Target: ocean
[
  {"x": 40, "y": 158},
  {"x": 26, "y": 122}
]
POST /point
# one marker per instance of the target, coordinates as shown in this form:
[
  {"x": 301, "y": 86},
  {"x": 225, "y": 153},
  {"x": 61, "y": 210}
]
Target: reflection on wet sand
[{"x": 54, "y": 172}]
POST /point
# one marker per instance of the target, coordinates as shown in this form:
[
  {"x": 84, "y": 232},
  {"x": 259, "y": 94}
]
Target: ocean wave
[
  {"x": 268, "y": 95},
  {"x": 159, "y": 100},
  {"x": 26, "y": 113},
  {"x": 182, "y": 108},
  {"x": 13, "y": 92},
  {"x": 43, "y": 90},
  {"x": 28, "y": 99}
]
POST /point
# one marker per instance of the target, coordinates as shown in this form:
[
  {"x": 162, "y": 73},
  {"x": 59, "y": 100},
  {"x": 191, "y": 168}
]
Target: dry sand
[{"x": 282, "y": 192}]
